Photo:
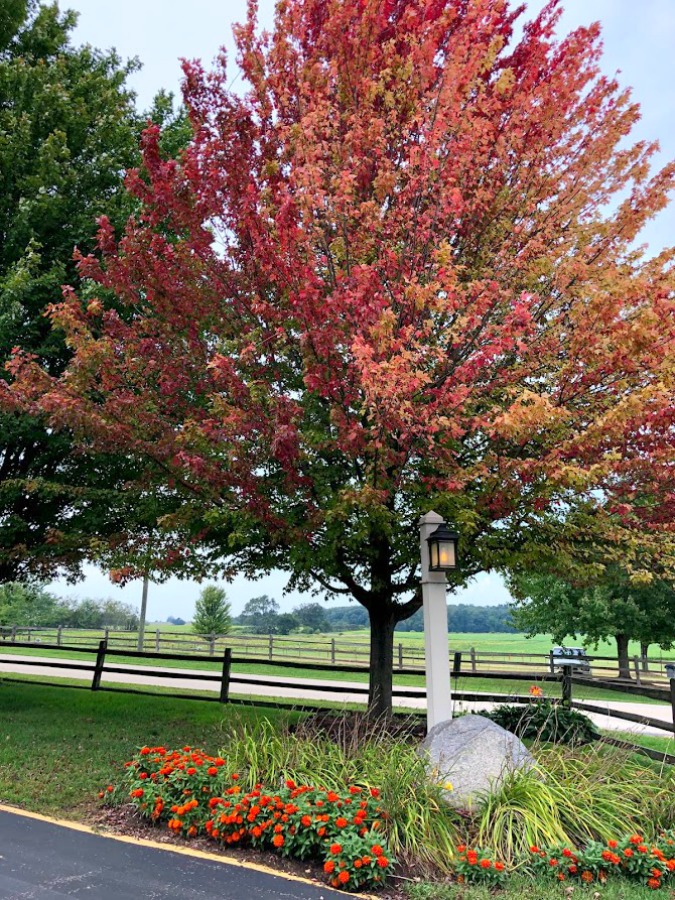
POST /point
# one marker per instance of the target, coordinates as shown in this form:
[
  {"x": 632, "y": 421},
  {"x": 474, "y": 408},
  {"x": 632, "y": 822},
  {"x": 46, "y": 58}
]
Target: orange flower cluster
[
  {"x": 477, "y": 866},
  {"x": 631, "y": 856},
  {"x": 195, "y": 794}
]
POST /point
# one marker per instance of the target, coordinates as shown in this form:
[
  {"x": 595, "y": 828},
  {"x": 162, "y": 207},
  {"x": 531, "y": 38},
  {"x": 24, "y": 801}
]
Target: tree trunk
[
  {"x": 622, "y": 653},
  {"x": 644, "y": 653},
  {"x": 382, "y": 624}
]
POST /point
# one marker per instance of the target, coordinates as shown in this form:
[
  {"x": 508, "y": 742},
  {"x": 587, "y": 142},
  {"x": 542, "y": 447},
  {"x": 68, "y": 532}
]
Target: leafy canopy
[{"x": 398, "y": 274}]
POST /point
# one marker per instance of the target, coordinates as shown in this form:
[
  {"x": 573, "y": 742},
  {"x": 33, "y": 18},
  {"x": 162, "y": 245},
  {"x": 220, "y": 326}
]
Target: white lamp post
[{"x": 438, "y": 548}]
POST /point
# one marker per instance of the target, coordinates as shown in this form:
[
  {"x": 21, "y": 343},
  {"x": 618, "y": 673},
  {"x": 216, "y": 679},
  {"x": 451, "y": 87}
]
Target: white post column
[{"x": 437, "y": 653}]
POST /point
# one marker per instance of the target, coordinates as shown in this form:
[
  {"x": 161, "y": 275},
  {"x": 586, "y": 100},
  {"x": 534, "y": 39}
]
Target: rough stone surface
[{"x": 473, "y": 754}]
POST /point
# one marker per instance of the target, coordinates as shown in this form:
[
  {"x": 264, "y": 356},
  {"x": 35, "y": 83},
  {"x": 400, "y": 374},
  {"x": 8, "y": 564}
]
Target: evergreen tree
[{"x": 212, "y": 612}]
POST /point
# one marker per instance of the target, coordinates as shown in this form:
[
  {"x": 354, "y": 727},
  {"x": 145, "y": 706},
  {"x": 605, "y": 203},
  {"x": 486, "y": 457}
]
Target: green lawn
[
  {"x": 518, "y": 887},
  {"x": 59, "y": 746}
]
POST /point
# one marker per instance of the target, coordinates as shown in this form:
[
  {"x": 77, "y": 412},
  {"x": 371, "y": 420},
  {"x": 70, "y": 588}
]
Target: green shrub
[{"x": 546, "y": 722}]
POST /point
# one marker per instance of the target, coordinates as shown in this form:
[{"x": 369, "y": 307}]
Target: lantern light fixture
[{"x": 442, "y": 549}]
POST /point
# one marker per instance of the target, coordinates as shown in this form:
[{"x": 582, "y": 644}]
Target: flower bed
[
  {"x": 629, "y": 857},
  {"x": 348, "y": 831},
  {"x": 195, "y": 794}
]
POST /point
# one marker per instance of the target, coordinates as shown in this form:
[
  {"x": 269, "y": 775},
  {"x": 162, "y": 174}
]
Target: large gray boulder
[{"x": 471, "y": 755}]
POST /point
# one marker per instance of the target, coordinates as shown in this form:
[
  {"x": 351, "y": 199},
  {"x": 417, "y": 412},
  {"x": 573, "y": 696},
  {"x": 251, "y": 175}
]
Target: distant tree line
[
  {"x": 261, "y": 616},
  {"x": 28, "y": 604}
]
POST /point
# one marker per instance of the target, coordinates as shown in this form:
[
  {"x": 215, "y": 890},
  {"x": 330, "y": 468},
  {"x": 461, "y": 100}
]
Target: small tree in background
[
  {"x": 260, "y": 615},
  {"x": 312, "y": 616},
  {"x": 212, "y": 612}
]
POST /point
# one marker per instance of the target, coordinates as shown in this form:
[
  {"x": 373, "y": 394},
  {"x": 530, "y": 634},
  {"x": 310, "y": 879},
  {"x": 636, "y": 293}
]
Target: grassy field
[{"x": 59, "y": 746}]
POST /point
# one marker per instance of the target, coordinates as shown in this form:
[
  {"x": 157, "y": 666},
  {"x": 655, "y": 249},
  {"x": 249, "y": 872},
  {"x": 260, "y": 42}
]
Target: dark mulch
[{"x": 351, "y": 730}]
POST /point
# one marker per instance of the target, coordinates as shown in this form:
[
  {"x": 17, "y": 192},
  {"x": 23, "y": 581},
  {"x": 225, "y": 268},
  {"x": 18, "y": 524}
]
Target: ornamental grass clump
[
  {"x": 573, "y": 797},
  {"x": 420, "y": 828},
  {"x": 197, "y": 794}
]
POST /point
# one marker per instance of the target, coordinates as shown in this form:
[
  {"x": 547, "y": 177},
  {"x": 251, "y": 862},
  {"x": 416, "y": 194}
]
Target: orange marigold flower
[
  {"x": 653, "y": 883},
  {"x": 657, "y": 873},
  {"x": 587, "y": 876},
  {"x": 110, "y": 789},
  {"x": 536, "y": 691},
  {"x": 335, "y": 849},
  {"x": 382, "y": 862},
  {"x": 374, "y": 792},
  {"x": 376, "y": 850},
  {"x": 278, "y": 840},
  {"x": 485, "y": 864},
  {"x": 553, "y": 862},
  {"x": 137, "y": 793},
  {"x": 145, "y": 751},
  {"x": 343, "y": 877},
  {"x": 613, "y": 844},
  {"x": 329, "y": 866},
  {"x": 671, "y": 865},
  {"x": 560, "y": 876},
  {"x": 635, "y": 839},
  {"x": 191, "y": 770},
  {"x": 572, "y": 870},
  {"x": 461, "y": 848},
  {"x": 628, "y": 852},
  {"x": 534, "y": 849},
  {"x": 212, "y": 770},
  {"x": 358, "y": 864},
  {"x": 366, "y": 859},
  {"x": 499, "y": 866},
  {"x": 306, "y": 821},
  {"x": 341, "y": 822}
]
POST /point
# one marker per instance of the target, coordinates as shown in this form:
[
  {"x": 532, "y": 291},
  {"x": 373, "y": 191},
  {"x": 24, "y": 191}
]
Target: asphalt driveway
[{"x": 44, "y": 861}]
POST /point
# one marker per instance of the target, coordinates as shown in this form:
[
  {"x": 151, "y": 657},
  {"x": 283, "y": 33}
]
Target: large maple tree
[{"x": 399, "y": 273}]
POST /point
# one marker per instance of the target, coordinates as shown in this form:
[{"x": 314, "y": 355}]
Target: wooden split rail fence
[
  {"x": 307, "y": 648},
  {"x": 225, "y": 678}
]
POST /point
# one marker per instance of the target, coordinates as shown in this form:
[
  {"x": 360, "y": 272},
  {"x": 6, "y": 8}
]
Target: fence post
[
  {"x": 98, "y": 667},
  {"x": 457, "y": 662},
  {"x": 551, "y": 659},
  {"x": 270, "y": 651},
  {"x": 400, "y": 655},
  {"x": 212, "y": 644},
  {"x": 13, "y": 632},
  {"x": 58, "y": 635},
  {"x": 636, "y": 663},
  {"x": 28, "y": 638},
  {"x": 567, "y": 687},
  {"x": 225, "y": 677},
  {"x": 332, "y": 651},
  {"x": 473, "y": 659},
  {"x": 106, "y": 635},
  {"x": 157, "y": 640}
]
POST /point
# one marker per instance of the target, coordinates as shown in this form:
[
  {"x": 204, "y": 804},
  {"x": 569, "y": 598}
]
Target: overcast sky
[{"x": 639, "y": 39}]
